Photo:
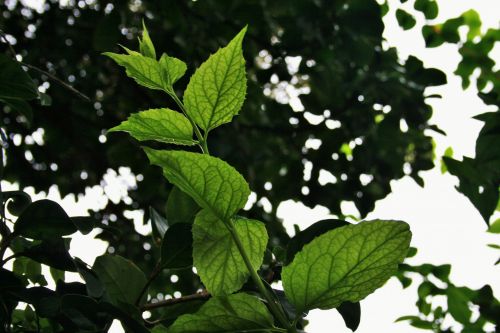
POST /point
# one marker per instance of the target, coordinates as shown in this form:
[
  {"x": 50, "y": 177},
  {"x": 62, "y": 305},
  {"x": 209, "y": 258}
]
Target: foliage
[{"x": 226, "y": 249}]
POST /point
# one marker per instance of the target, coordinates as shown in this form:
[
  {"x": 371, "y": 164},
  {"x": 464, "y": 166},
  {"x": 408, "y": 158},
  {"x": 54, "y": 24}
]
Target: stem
[
  {"x": 154, "y": 274},
  {"x": 202, "y": 139},
  {"x": 256, "y": 278},
  {"x": 198, "y": 296}
]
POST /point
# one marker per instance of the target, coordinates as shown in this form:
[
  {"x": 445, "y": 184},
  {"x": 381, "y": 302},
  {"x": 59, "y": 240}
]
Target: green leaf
[
  {"x": 306, "y": 236},
  {"x": 345, "y": 264},
  {"x": 53, "y": 252},
  {"x": 181, "y": 208},
  {"x": 234, "y": 313},
  {"x": 44, "y": 219},
  {"x": 15, "y": 83},
  {"x": 158, "y": 223},
  {"x": 428, "y": 7},
  {"x": 145, "y": 44},
  {"x": 216, "y": 256},
  {"x": 145, "y": 71},
  {"x": 458, "y": 304},
  {"x": 495, "y": 227},
  {"x": 162, "y": 125},
  {"x": 173, "y": 68},
  {"x": 405, "y": 20},
  {"x": 351, "y": 313},
  {"x": 211, "y": 182},
  {"x": 176, "y": 247},
  {"x": 20, "y": 106},
  {"x": 122, "y": 279},
  {"x": 217, "y": 89}
]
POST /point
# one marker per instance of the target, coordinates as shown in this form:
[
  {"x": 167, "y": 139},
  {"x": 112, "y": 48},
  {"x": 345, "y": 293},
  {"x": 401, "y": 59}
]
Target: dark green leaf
[
  {"x": 122, "y": 279},
  {"x": 176, "y": 247},
  {"x": 351, "y": 313},
  {"x": 15, "y": 83},
  {"x": 181, "y": 208},
  {"x": 44, "y": 219},
  {"x": 405, "y": 20}
]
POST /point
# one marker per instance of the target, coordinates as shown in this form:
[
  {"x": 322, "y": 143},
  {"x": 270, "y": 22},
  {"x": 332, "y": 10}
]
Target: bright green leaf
[
  {"x": 217, "y": 89},
  {"x": 211, "y": 182},
  {"x": 216, "y": 256},
  {"x": 122, "y": 279},
  {"x": 44, "y": 219},
  {"x": 145, "y": 71},
  {"x": 495, "y": 227},
  {"x": 345, "y": 264},
  {"x": 145, "y": 44},
  {"x": 173, "y": 68},
  {"x": 234, "y": 313},
  {"x": 162, "y": 125}
]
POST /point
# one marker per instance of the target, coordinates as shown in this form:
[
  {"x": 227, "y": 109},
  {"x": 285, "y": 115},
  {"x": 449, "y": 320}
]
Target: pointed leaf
[
  {"x": 122, "y": 279},
  {"x": 176, "y": 247},
  {"x": 216, "y": 256},
  {"x": 173, "y": 68},
  {"x": 145, "y": 44},
  {"x": 235, "y": 313},
  {"x": 158, "y": 223},
  {"x": 145, "y": 71},
  {"x": 345, "y": 264},
  {"x": 217, "y": 89},
  {"x": 211, "y": 182},
  {"x": 162, "y": 125},
  {"x": 351, "y": 313}
]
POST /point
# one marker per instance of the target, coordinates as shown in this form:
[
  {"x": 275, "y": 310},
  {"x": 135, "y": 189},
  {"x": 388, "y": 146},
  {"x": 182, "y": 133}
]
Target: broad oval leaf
[
  {"x": 216, "y": 256},
  {"x": 211, "y": 182},
  {"x": 176, "y": 247},
  {"x": 162, "y": 125},
  {"x": 345, "y": 264},
  {"x": 234, "y": 313},
  {"x": 217, "y": 89},
  {"x": 44, "y": 219},
  {"x": 122, "y": 279}
]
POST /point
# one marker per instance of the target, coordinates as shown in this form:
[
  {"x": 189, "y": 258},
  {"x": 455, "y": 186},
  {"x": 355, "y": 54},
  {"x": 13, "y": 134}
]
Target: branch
[
  {"x": 39, "y": 70},
  {"x": 203, "y": 295},
  {"x": 156, "y": 271}
]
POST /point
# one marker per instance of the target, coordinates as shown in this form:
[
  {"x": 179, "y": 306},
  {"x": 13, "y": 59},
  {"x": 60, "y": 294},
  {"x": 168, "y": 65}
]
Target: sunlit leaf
[
  {"x": 162, "y": 125},
  {"x": 211, "y": 182},
  {"x": 216, "y": 256},
  {"x": 217, "y": 89},
  {"x": 345, "y": 264},
  {"x": 234, "y": 313}
]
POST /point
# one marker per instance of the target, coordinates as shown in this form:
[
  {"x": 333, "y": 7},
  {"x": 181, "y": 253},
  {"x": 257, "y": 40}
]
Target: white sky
[{"x": 446, "y": 227}]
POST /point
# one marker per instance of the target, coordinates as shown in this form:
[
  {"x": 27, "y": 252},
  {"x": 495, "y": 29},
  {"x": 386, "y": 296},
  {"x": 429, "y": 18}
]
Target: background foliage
[{"x": 365, "y": 104}]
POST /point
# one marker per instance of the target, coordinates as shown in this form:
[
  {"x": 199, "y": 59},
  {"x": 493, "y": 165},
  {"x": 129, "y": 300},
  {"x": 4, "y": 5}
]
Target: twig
[
  {"x": 198, "y": 296},
  {"x": 156, "y": 271},
  {"x": 50, "y": 76}
]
